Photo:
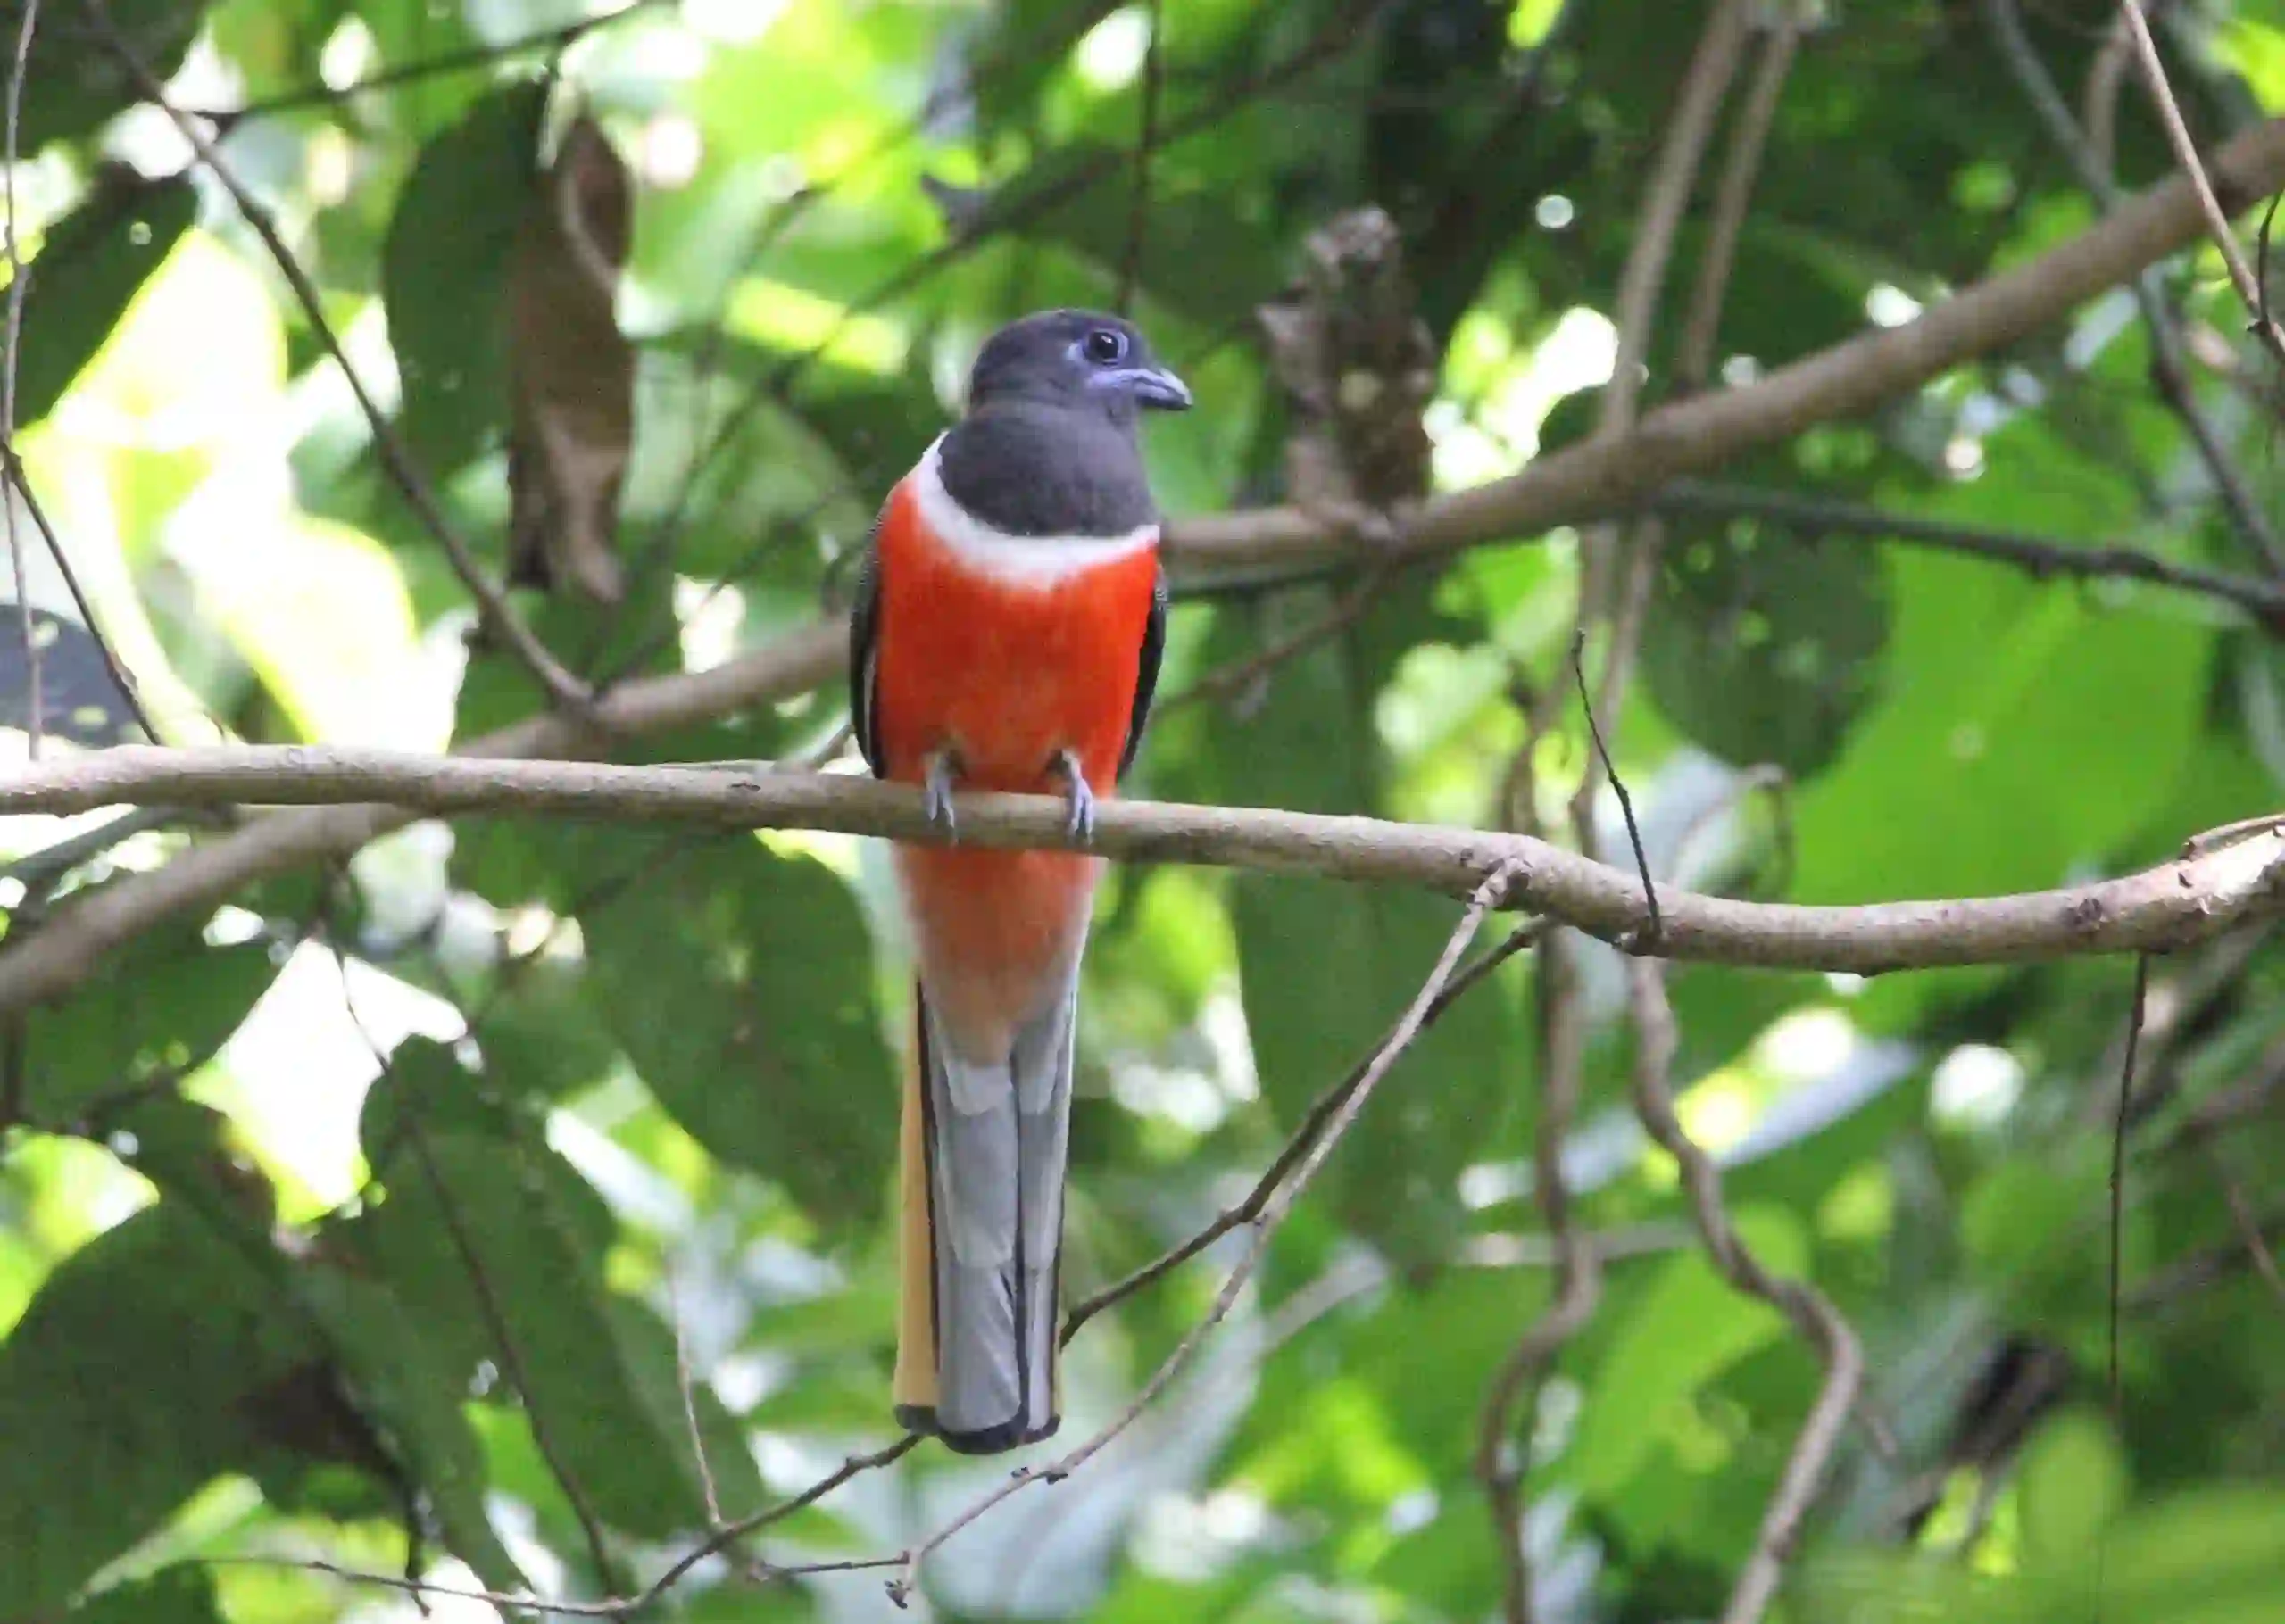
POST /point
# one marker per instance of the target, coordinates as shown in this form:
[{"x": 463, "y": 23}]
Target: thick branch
[
  {"x": 1697, "y": 435},
  {"x": 2177, "y": 903},
  {"x": 71, "y": 944}
]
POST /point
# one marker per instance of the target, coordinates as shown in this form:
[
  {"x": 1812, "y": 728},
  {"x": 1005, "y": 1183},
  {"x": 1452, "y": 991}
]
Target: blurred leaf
[
  {"x": 740, "y": 981},
  {"x": 125, "y": 1387},
  {"x": 79, "y": 698},
  {"x": 88, "y": 270},
  {"x": 1682, "y": 1329},
  {"x": 73, "y": 84},
  {"x": 179, "y": 1594},
  {"x": 160, "y": 1008},
  {"x": 480, "y": 1221},
  {"x": 1764, "y": 648},
  {"x": 444, "y": 270},
  {"x": 2072, "y": 1484}
]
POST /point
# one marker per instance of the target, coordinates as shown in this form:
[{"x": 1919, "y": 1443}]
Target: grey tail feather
[{"x": 997, "y": 1138}]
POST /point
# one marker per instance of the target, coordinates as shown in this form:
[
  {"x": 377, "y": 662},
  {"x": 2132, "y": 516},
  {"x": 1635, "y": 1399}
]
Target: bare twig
[
  {"x": 1238, "y": 676},
  {"x": 1813, "y": 517},
  {"x": 498, "y": 615},
  {"x": 2183, "y": 900},
  {"x": 17, "y": 288},
  {"x": 1502, "y": 1456},
  {"x": 1487, "y": 896},
  {"x": 2217, "y": 222},
  {"x": 2249, "y": 1229},
  {"x": 1733, "y": 196},
  {"x": 2119, "y": 1125},
  {"x": 1814, "y": 1317},
  {"x": 1146, "y": 142},
  {"x": 1652, "y": 927},
  {"x": 1305, "y": 1135},
  {"x": 2169, "y": 366}
]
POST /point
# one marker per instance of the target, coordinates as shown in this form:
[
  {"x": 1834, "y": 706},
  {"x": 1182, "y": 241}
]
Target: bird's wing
[{"x": 1146, "y": 680}]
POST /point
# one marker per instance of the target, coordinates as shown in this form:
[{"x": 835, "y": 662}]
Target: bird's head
[{"x": 1077, "y": 360}]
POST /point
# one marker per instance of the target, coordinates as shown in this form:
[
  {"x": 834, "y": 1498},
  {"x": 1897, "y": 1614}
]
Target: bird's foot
[
  {"x": 936, "y": 790},
  {"x": 1081, "y": 825}
]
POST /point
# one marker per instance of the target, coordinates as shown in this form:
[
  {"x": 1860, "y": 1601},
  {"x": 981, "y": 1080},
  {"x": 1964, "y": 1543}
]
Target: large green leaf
[
  {"x": 73, "y": 84},
  {"x": 87, "y": 272},
  {"x": 740, "y": 982},
  {"x": 444, "y": 268},
  {"x": 135, "y": 1375},
  {"x": 484, "y": 1233}
]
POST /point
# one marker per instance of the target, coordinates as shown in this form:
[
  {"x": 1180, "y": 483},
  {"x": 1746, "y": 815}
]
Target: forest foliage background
[{"x": 411, "y": 1215}]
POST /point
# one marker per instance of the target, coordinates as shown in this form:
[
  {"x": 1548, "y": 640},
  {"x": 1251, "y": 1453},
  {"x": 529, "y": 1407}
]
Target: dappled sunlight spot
[
  {"x": 787, "y": 318},
  {"x": 403, "y": 878},
  {"x": 1187, "y": 1097},
  {"x": 1719, "y": 1112},
  {"x": 155, "y": 383},
  {"x": 710, "y": 616},
  {"x": 294, "y": 1076},
  {"x": 1577, "y": 353},
  {"x": 61, "y": 1194},
  {"x": 1974, "y": 1087},
  {"x": 1190, "y": 1539},
  {"x": 1109, "y": 56},
  {"x": 731, "y": 22},
  {"x": 1889, "y": 306},
  {"x": 1861, "y": 1208},
  {"x": 839, "y": 852},
  {"x": 319, "y": 611}
]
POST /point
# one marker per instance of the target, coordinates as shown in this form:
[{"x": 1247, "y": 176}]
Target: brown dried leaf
[{"x": 571, "y": 371}]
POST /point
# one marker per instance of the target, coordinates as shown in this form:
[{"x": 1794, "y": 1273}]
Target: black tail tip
[{"x": 986, "y": 1440}]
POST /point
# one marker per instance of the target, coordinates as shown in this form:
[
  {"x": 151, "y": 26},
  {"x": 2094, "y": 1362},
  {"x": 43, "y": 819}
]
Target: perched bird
[{"x": 1007, "y": 634}]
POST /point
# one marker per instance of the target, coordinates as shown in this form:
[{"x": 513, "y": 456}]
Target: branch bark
[
  {"x": 2224, "y": 881},
  {"x": 1698, "y": 435}
]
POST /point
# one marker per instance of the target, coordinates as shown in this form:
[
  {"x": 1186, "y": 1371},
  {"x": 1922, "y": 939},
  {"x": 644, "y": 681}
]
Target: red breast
[{"x": 1008, "y": 651}]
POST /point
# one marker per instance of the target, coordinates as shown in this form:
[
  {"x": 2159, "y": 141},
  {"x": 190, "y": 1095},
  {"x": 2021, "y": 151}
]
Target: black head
[{"x": 1074, "y": 359}]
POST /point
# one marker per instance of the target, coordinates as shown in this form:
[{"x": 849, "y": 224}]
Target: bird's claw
[
  {"x": 1081, "y": 825},
  {"x": 936, "y": 792}
]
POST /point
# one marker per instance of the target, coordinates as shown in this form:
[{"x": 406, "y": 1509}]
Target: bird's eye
[{"x": 1105, "y": 346}]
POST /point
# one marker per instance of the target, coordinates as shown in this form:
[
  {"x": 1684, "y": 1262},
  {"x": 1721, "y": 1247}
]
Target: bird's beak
[{"x": 1152, "y": 387}]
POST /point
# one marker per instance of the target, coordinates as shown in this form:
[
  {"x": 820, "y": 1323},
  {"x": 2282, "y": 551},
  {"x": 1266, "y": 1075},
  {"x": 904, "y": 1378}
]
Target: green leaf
[
  {"x": 443, "y": 269},
  {"x": 72, "y": 86},
  {"x": 180, "y": 1594},
  {"x": 88, "y": 270},
  {"x": 133, "y": 1377},
  {"x": 1686, "y": 1327},
  {"x": 741, "y": 983},
  {"x": 481, "y": 1223},
  {"x": 2073, "y": 1484},
  {"x": 159, "y": 1008},
  {"x": 1762, "y": 647}
]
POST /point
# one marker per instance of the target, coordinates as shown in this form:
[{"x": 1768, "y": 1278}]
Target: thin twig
[
  {"x": 1654, "y": 928},
  {"x": 1487, "y": 895},
  {"x": 2217, "y": 223},
  {"x": 1146, "y": 142},
  {"x": 473, "y": 59},
  {"x": 2169, "y": 364},
  {"x": 2249, "y": 1229},
  {"x": 1503, "y": 1445},
  {"x": 1241, "y": 675},
  {"x": 1305, "y": 1135},
  {"x": 17, "y": 287},
  {"x": 686, "y": 1383},
  {"x": 2120, "y": 1123},
  {"x": 1812, "y": 517},
  {"x": 1812, "y": 1314},
  {"x": 1733, "y": 196},
  {"x": 498, "y": 615}
]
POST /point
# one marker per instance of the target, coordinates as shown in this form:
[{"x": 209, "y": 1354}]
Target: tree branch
[
  {"x": 2187, "y": 899},
  {"x": 1812, "y": 517},
  {"x": 2217, "y": 222},
  {"x": 1590, "y": 480},
  {"x": 1811, "y": 1313}
]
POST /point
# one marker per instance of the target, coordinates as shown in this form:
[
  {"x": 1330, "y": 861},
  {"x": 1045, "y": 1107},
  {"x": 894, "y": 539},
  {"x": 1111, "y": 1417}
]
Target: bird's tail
[{"x": 985, "y": 1146}]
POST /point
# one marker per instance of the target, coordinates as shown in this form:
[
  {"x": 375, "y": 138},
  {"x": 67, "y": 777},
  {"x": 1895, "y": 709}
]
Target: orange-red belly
[{"x": 1007, "y": 675}]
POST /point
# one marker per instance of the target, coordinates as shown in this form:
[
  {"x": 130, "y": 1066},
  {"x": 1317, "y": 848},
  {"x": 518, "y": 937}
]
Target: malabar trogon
[{"x": 1006, "y": 636}]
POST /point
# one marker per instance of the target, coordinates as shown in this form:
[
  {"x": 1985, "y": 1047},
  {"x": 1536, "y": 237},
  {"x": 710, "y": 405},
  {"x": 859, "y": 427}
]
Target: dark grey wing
[
  {"x": 864, "y": 630},
  {"x": 1146, "y": 679}
]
